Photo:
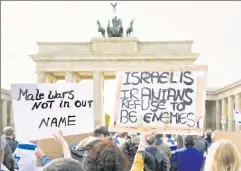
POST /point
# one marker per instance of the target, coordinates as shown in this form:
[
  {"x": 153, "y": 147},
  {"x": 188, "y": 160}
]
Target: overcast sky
[{"x": 215, "y": 28}]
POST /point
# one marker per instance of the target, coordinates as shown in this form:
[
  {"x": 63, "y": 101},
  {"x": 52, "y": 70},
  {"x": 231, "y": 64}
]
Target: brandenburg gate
[{"x": 101, "y": 58}]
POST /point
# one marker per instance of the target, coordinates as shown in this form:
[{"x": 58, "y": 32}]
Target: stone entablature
[
  {"x": 119, "y": 47},
  {"x": 226, "y": 91}
]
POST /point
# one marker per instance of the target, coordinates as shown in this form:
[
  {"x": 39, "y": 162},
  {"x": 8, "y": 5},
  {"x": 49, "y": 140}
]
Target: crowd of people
[{"x": 109, "y": 151}]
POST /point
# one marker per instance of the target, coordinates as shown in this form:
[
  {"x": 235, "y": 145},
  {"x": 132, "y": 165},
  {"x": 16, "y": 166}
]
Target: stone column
[
  {"x": 218, "y": 114},
  {"x": 11, "y": 116},
  {"x": 238, "y": 108},
  {"x": 41, "y": 77},
  {"x": 4, "y": 118},
  {"x": 98, "y": 90},
  {"x": 230, "y": 113},
  {"x": 49, "y": 78},
  {"x": 71, "y": 77},
  {"x": 224, "y": 113}
]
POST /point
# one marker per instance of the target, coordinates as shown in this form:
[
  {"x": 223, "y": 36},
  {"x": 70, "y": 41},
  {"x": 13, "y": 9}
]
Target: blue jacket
[
  {"x": 45, "y": 160},
  {"x": 187, "y": 159}
]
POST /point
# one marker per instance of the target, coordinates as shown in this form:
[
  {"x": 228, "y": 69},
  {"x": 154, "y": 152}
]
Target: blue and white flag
[
  {"x": 237, "y": 117},
  {"x": 172, "y": 144},
  {"x": 25, "y": 156}
]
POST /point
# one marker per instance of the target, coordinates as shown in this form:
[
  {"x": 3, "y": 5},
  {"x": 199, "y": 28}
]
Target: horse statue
[
  {"x": 101, "y": 29},
  {"x": 116, "y": 30},
  {"x": 130, "y": 29}
]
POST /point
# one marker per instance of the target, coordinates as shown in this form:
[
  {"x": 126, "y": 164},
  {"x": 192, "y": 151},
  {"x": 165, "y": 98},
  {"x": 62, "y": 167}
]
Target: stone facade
[
  {"x": 6, "y": 107},
  {"x": 220, "y": 103},
  {"x": 102, "y": 58}
]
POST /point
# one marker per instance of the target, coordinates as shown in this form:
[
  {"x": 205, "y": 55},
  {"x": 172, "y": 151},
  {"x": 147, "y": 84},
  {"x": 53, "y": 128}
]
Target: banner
[{"x": 40, "y": 110}]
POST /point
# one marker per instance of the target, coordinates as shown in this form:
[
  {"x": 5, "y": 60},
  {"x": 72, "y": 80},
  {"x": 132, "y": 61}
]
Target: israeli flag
[
  {"x": 25, "y": 156},
  {"x": 172, "y": 144},
  {"x": 237, "y": 117}
]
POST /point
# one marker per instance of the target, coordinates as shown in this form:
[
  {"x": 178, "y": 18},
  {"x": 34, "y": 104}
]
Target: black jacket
[
  {"x": 162, "y": 161},
  {"x": 12, "y": 143}
]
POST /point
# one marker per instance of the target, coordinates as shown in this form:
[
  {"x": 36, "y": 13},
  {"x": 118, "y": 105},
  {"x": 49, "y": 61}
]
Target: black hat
[{"x": 102, "y": 130}]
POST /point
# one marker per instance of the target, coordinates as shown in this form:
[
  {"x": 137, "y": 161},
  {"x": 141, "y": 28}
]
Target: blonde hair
[
  {"x": 223, "y": 156},
  {"x": 180, "y": 141}
]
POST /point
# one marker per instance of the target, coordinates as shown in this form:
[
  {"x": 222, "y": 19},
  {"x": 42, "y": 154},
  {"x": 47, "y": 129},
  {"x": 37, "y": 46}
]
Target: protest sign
[
  {"x": 168, "y": 101},
  {"x": 234, "y": 137},
  {"x": 40, "y": 110}
]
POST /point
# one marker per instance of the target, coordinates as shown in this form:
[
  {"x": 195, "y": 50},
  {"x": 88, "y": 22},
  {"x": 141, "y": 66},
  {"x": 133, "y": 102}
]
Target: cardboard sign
[
  {"x": 40, "y": 110},
  {"x": 234, "y": 137},
  {"x": 166, "y": 101}
]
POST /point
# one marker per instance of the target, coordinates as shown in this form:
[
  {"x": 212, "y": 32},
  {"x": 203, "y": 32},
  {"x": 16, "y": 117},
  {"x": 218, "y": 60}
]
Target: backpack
[
  {"x": 158, "y": 160},
  {"x": 159, "y": 157}
]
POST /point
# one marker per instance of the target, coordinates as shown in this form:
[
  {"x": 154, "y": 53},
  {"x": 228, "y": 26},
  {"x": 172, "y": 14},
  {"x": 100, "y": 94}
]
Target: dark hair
[
  {"x": 169, "y": 135},
  {"x": 8, "y": 159},
  {"x": 63, "y": 164},
  {"x": 123, "y": 134},
  {"x": 105, "y": 156},
  {"x": 189, "y": 141},
  {"x": 158, "y": 136}
]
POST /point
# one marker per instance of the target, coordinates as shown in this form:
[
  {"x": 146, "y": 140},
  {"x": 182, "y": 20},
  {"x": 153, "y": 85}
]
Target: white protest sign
[
  {"x": 40, "y": 110},
  {"x": 162, "y": 99},
  {"x": 237, "y": 117}
]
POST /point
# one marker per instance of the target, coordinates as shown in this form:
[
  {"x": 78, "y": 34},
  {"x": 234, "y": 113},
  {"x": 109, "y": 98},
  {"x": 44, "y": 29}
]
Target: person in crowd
[
  {"x": 162, "y": 146},
  {"x": 171, "y": 143},
  {"x": 223, "y": 155},
  {"x": 161, "y": 159},
  {"x": 180, "y": 142},
  {"x": 7, "y": 160},
  {"x": 189, "y": 158},
  {"x": 200, "y": 144},
  {"x": 105, "y": 155},
  {"x": 10, "y": 137},
  {"x": 208, "y": 138},
  {"x": 122, "y": 138},
  {"x": 130, "y": 146},
  {"x": 63, "y": 164},
  {"x": 78, "y": 150}
]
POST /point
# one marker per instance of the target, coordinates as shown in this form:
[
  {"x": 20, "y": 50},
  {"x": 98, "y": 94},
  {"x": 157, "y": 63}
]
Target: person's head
[
  {"x": 105, "y": 155},
  {"x": 222, "y": 156},
  {"x": 63, "y": 164},
  {"x": 159, "y": 136},
  {"x": 189, "y": 141},
  {"x": 150, "y": 140},
  {"x": 208, "y": 134},
  {"x": 9, "y": 132},
  {"x": 180, "y": 142},
  {"x": 123, "y": 135},
  {"x": 101, "y": 132}
]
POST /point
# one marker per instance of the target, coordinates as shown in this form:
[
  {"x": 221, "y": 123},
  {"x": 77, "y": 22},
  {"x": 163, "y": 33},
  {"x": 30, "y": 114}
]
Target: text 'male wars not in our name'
[
  {"x": 47, "y": 108},
  {"x": 155, "y": 98}
]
